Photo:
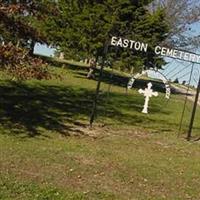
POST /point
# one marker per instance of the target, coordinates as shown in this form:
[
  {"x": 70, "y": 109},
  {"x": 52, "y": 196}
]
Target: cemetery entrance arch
[{"x": 159, "y": 51}]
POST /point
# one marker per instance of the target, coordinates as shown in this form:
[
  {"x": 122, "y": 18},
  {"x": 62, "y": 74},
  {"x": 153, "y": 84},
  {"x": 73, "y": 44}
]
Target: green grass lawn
[{"x": 47, "y": 150}]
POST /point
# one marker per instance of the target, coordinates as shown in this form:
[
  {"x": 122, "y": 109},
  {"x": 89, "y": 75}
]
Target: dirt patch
[
  {"x": 83, "y": 129},
  {"x": 99, "y": 131}
]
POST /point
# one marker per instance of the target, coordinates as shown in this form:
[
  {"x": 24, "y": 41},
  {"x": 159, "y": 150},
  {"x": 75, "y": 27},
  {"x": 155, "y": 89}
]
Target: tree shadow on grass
[
  {"x": 122, "y": 81},
  {"x": 126, "y": 110},
  {"x": 25, "y": 108},
  {"x": 30, "y": 108}
]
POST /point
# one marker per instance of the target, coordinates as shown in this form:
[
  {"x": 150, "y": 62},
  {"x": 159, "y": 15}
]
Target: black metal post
[
  {"x": 193, "y": 112},
  {"x": 186, "y": 98},
  {"x": 94, "y": 108}
]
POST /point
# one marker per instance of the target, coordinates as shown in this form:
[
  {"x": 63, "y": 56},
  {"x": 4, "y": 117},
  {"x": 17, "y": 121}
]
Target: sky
[
  {"x": 182, "y": 69},
  {"x": 44, "y": 50}
]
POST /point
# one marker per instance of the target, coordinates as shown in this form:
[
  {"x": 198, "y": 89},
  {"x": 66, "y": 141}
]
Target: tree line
[{"x": 80, "y": 29}]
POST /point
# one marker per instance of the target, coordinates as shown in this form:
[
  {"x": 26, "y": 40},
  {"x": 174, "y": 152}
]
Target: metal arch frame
[{"x": 167, "y": 83}]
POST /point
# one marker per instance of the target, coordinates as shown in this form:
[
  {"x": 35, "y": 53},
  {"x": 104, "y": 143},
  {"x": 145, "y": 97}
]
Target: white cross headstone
[{"x": 148, "y": 92}]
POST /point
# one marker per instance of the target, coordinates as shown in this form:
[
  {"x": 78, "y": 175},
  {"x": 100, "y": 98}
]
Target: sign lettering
[{"x": 162, "y": 51}]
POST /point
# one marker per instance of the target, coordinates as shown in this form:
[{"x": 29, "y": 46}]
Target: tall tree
[
  {"x": 83, "y": 27},
  {"x": 21, "y": 21},
  {"x": 16, "y": 37},
  {"x": 182, "y": 16}
]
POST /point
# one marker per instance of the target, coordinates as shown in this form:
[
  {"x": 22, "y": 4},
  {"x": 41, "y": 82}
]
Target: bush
[{"x": 19, "y": 64}]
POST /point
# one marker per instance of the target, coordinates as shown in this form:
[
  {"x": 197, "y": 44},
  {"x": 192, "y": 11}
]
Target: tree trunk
[
  {"x": 93, "y": 65},
  {"x": 32, "y": 45},
  {"x": 132, "y": 70},
  {"x": 18, "y": 43}
]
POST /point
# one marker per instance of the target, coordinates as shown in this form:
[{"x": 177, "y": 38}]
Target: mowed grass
[{"x": 47, "y": 150}]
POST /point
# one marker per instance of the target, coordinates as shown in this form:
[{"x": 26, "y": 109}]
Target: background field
[{"x": 47, "y": 150}]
